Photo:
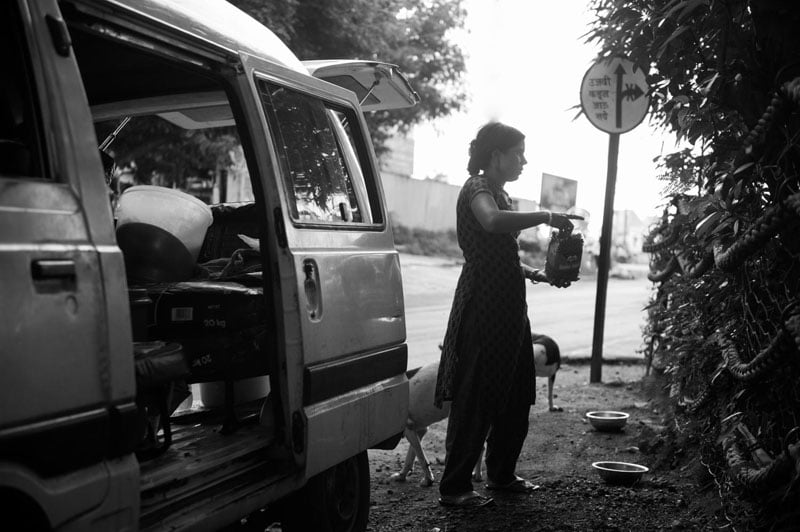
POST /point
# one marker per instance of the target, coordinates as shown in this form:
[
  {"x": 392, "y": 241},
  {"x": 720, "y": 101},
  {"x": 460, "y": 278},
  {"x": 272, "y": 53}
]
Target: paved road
[{"x": 565, "y": 314}]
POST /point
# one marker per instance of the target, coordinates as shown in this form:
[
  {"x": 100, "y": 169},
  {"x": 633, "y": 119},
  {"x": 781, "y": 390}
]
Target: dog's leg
[
  {"x": 422, "y": 412},
  {"x": 401, "y": 475},
  {"x": 550, "y": 382},
  {"x": 415, "y": 442},
  {"x": 477, "y": 473}
]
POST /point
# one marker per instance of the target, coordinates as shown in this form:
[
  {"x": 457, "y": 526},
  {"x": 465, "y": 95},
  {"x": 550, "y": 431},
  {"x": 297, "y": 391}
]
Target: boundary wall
[{"x": 428, "y": 204}]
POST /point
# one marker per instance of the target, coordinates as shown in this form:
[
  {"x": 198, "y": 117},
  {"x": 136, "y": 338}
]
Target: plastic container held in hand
[
  {"x": 160, "y": 231},
  {"x": 563, "y": 262}
]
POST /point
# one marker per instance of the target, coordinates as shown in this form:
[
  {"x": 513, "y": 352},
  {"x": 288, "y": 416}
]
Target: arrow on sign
[
  {"x": 632, "y": 92},
  {"x": 620, "y": 71}
]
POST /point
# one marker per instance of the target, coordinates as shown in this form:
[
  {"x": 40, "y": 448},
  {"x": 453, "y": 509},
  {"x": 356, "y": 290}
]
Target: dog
[
  {"x": 422, "y": 413},
  {"x": 547, "y": 361}
]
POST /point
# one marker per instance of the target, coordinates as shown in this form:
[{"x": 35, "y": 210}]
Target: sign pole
[
  {"x": 596, "y": 370},
  {"x": 615, "y": 98}
]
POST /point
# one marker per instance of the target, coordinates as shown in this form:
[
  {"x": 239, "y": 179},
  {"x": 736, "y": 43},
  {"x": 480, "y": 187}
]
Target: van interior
[{"x": 202, "y": 323}]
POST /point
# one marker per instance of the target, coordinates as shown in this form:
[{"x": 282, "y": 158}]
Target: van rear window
[{"x": 322, "y": 173}]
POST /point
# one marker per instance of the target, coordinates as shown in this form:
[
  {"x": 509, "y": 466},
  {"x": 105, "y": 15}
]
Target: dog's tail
[
  {"x": 410, "y": 373},
  {"x": 550, "y": 347}
]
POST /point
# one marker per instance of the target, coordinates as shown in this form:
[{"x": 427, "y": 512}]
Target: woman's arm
[{"x": 494, "y": 220}]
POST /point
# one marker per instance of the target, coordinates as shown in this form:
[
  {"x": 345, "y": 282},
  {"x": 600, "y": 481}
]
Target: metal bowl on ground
[
  {"x": 608, "y": 420},
  {"x": 620, "y": 473}
]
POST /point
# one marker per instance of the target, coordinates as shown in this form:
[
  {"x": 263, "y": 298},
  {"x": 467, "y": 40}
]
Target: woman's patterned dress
[{"x": 492, "y": 282}]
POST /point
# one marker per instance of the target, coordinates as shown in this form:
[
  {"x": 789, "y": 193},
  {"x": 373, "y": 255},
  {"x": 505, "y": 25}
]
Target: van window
[
  {"x": 321, "y": 167},
  {"x": 19, "y": 131},
  {"x": 160, "y": 121},
  {"x": 184, "y": 150}
]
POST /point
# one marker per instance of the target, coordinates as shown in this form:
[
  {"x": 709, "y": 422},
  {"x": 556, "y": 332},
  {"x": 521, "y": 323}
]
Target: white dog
[
  {"x": 547, "y": 361},
  {"x": 422, "y": 413}
]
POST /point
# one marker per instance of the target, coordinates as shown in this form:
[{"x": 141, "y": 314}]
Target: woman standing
[{"x": 486, "y": 366}]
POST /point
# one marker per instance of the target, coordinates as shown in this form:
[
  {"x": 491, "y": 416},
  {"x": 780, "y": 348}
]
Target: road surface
[{"x": 565, "y": 314}]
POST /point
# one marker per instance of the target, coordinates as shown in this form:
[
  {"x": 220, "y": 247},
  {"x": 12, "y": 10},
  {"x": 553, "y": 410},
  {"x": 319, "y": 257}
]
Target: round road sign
[{"x": 615, "y": 95}]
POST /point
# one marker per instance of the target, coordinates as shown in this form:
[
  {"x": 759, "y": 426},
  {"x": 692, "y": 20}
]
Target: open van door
[
  {"x": 338, "y": 267},
  {"x": 66, "y": 332},
  {"x": 67, "y": 385},
  {"x": 378, "y": 86}
]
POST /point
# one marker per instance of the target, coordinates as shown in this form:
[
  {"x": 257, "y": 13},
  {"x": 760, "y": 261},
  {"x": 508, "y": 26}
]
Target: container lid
[{"x": 152, "y": 189}]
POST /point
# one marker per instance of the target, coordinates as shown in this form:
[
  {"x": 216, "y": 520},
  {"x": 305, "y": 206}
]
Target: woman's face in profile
[{"x": 512, "y": 161}]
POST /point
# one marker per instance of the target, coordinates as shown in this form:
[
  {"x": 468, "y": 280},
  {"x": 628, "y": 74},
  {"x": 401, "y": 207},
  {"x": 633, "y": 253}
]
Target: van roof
[{"x": 218, "y": 23}]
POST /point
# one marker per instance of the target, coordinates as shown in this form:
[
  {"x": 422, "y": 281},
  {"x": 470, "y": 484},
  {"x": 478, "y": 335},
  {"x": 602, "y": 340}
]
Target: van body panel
[
  {"x": 329, "y": 379},
  {"x": 117, "y": 310},
  {"x": 361, "y": 307},
  {"x": 219, "y": 24},
  {"x": 357, "y": 419},
  {"x": 360, "y": 285},
  {"x": 347, "y": 290},
  {"x": 64, "y": 361},
  {"x": 82, "y": 499},
  {"x": 67, "y": 123},
  {"x": 113, "y": 359},
  {"x": 59, "y": 336},
  {"x": 59, "y": 373},
  {"x": 286, "y": 298}
]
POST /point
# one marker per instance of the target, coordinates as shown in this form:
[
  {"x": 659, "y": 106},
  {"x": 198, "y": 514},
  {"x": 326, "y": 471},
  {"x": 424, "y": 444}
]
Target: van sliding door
[{"x": 344, "y": 280}]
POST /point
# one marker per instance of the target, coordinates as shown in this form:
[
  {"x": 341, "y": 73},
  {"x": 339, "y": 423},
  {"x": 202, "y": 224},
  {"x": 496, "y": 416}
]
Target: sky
[{"x": 525, "y": 63}]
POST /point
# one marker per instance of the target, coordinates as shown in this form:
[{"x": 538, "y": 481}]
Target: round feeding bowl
[
  {"x": 607, "y": 420},
  {"x": 620, "y": 473}
]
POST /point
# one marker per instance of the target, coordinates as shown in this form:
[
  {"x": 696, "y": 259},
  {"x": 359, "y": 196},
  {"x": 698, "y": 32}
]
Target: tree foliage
[
  {"x": 723, "y": 323},
  {"x": 164, "y": 154},
  {"x": 413, "y": 34}
]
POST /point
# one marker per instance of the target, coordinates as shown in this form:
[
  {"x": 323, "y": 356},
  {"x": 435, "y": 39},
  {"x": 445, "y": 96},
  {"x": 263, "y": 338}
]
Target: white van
[{"x": 288, "y": 319}]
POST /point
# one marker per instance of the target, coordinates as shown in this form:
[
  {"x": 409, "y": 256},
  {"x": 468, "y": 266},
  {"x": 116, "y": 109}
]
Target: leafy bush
[{"x": 724, "y": 323}]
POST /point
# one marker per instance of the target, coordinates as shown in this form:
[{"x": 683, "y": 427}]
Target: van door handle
[
  {"x": 311, "y": 289},
  {"x": 53, "y": 269}
]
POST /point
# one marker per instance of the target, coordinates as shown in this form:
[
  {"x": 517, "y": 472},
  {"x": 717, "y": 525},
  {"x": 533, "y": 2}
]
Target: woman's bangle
[{"x": 549, "y": 218}]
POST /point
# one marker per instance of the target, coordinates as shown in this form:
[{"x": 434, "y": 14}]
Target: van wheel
[
  {"x": 336, "y": 500},
  {"x": 18, "y": 508}
]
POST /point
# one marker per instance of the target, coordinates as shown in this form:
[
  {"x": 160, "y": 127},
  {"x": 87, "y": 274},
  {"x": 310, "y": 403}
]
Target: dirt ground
[{"x": 558, "y": 454}]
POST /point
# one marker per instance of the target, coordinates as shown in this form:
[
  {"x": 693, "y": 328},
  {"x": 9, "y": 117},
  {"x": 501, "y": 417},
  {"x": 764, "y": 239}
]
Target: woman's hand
[
  {"x": 539, "y": 276},
  {"x": 560, "y": 284},
  {"x": 562, "y": 221},
  {"x": 536, "y": 276}
]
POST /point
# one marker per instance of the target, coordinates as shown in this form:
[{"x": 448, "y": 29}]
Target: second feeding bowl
[
  {"x": 620, "y": 473},
  {"x": 608, "y": 420}
]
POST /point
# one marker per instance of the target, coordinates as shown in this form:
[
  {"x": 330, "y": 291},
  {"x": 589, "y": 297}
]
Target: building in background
[
  {"x": 627, "y": 234},
  {"x": 398, "y": 159},
  {"x": 424, "y": 203},
  {"x": 430, "y": 204}
]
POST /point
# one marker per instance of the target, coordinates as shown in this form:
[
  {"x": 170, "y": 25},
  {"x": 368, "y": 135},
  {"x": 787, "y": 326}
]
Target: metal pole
[{"x": 604, "y": 261}]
